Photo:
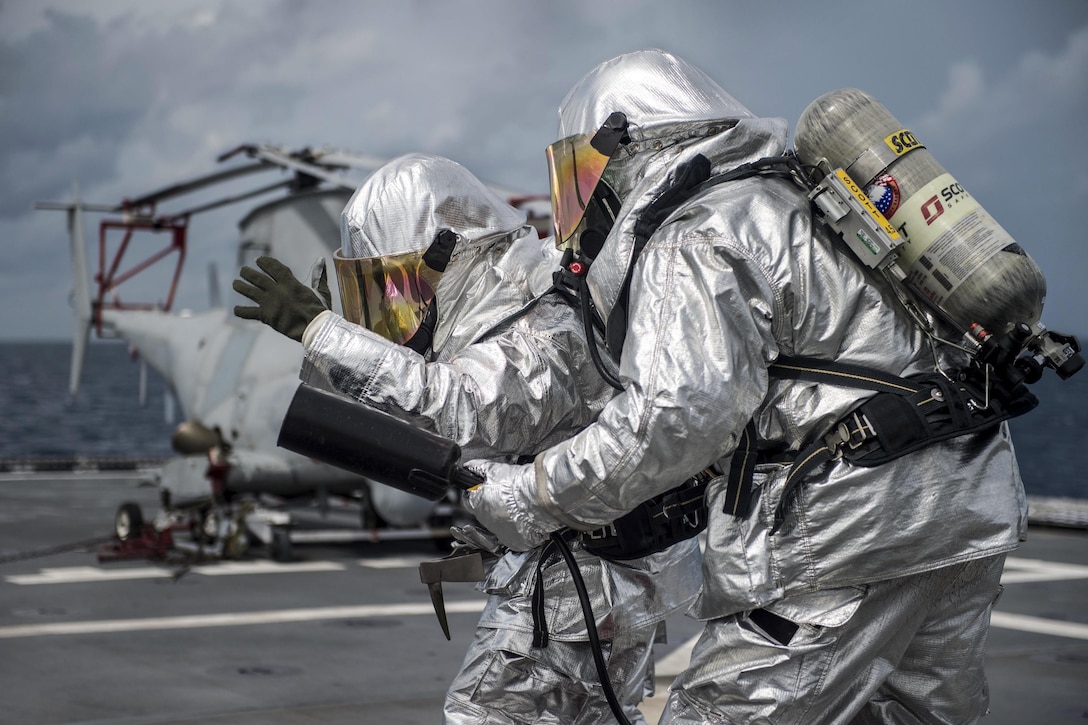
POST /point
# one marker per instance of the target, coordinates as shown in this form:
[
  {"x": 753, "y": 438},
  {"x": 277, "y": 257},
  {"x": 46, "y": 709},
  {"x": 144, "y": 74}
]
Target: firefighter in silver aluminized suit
[
  {"x": 872, "y": 603},
  {"x": 502, "y": 385}
]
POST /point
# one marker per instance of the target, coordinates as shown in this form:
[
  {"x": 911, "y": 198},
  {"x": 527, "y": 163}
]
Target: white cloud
[
  {"x": 128, "y": 96},
  {"x": 1040, "y": 88}
]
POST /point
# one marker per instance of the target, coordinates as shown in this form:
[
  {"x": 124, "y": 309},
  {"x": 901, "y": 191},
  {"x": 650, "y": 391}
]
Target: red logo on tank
[{"x": 932, "y": 209}]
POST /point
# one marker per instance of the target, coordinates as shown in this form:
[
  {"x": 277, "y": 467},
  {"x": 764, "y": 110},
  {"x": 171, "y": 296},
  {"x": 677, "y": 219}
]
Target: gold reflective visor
[
  {"x": 575, "y": 167},
  {"x": 387, "y": 295}
]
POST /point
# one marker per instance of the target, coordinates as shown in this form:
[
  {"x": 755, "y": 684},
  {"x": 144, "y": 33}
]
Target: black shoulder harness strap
[
  {"x": 905, "y": 415},
  {"x": 687, "y": 179},
  {"x": 690, "y": 178}
]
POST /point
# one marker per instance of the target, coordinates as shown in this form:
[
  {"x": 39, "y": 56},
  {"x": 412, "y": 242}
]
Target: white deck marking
[
  {"x": 1039, "y": 625},
  {"x": 80, "y": 574},
  {"x": 1019, "y": 570},
  {"x": 227, "y": 568},
  {"x": 392, "y": 562},
  {"x": 112, "y": 626},
  {"x": 84, "y": 574}
]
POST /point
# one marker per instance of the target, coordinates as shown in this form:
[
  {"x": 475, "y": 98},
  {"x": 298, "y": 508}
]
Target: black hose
[
  {"x": 591, "y": 628},
  {"x": 586, "y": 303}
]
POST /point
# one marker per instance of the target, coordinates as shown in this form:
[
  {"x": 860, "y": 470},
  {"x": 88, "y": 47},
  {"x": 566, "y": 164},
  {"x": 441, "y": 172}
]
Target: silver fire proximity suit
[
  {"x": 873, "y": 603},
  {"x": 501, "y": 390}
]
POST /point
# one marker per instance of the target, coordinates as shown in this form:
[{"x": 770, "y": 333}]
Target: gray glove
[
  {"x": 471, "y": 537},
  {"x": 284, "y": 304},
  {"x": 505, "y": 504}
]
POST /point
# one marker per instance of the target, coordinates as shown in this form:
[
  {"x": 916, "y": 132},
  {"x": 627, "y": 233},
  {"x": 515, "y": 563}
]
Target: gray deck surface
[{"x": 345, "y": 633}]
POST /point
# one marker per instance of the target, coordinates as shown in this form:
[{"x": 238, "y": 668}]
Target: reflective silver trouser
[
  {"x": 911, "y": 652},
  {"x": 504, "y": 679}
]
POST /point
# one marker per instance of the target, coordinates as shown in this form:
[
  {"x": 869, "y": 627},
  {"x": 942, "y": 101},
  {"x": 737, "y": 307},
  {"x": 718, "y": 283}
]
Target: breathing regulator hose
[{"x": 591, "y": 628}]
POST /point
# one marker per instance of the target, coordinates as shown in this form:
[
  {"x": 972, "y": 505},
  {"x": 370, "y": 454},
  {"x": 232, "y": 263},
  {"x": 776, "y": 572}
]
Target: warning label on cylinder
[{"x": 948, "y": 236}]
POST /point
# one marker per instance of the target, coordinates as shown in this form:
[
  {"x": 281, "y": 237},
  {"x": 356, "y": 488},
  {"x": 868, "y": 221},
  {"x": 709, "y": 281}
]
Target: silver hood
[
  {"x": 496, "y": 392},
  {"x": 401, "y": 207},
  {"x": 674, "y": 112}
]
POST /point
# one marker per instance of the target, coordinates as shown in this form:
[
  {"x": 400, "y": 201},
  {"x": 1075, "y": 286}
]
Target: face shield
[
  {"x": 391, "y": 295},
  {"x": 575, "y": 167}
]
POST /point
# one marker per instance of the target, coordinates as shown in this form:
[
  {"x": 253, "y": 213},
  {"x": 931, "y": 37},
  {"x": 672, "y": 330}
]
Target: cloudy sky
[{"x": 125, "y": 96}]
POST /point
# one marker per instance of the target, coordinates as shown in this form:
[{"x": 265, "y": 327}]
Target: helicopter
[{"x": 230, "y": 486}]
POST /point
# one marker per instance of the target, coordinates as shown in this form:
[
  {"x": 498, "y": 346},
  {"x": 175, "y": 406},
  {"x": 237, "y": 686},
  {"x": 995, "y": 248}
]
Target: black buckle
[
  {"x": 605, "y": 532},
  {"x": 853, "y": 432}
]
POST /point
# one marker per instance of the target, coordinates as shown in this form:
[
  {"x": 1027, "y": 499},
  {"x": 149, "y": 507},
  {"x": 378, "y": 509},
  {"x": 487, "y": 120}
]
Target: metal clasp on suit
[
  {"x": 604, "y": 532},
  {"x": 852, "y": 432}
]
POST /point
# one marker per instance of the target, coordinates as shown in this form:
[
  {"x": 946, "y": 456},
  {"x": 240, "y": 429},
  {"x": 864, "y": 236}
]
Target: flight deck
[{"x": 345, "y": 632}]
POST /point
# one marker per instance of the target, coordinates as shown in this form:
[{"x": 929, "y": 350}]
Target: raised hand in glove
[
  {"x": 505, "y": 504},
  {"x": 283, "y": 303}
]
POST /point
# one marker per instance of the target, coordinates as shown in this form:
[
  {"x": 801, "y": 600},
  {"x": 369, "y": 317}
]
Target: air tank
[{"x": 955, "y": 255}]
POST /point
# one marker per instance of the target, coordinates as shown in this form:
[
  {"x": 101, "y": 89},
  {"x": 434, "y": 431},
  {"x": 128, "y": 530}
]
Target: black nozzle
[
  {"x": 1070, "y": 366},
  {"x": 357, "y": 438},
  {"x": 1062, "y": 352}
]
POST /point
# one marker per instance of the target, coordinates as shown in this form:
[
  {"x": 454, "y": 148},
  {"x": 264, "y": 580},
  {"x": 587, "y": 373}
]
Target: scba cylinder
[{"x": 955, "y": 255}]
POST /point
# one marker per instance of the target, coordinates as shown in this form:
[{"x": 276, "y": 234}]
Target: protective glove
[
  {"x": 284, "y": 304},
  {"x": 468, "y": 536},
  {"x": 505, "y": 504}
]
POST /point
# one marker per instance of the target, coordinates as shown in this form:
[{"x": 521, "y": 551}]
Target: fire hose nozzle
[{"x": 358, "y": 438}]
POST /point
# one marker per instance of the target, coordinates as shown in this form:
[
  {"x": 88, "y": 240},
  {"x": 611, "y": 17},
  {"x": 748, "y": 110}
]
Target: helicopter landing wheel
[{"x": 129, "y": 521}]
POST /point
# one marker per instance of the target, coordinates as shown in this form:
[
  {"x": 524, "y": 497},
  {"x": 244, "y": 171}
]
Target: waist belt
[
  {"x": 905, "y": 415},
  {"x": 654, "y": 525}
]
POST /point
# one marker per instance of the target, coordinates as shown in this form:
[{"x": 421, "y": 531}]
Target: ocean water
[{"x": 107, "y": 419}]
